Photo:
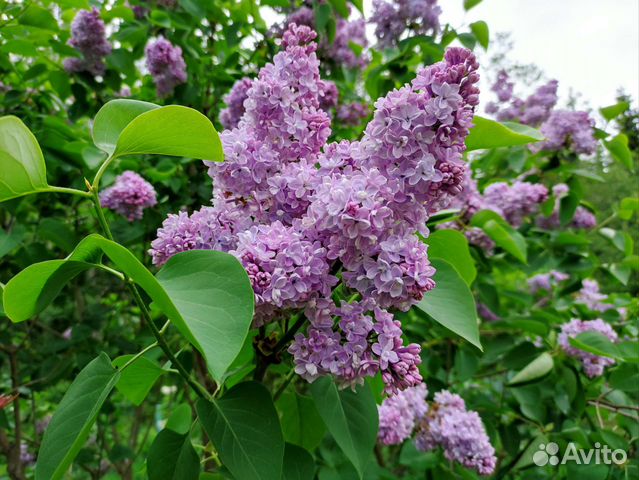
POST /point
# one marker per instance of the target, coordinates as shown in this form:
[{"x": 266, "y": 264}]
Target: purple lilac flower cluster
[
  {"x": 515, "y": 201},
  {"x": 88, "y": 36},
  {"x": 400, "y": 414},
  {"x": 594, "y": 365},
  {"x": 293, "y": 209},
  {"x": 546, "y": 281},
  {"x": 129, "y": 196},
  {"x": 351, "y": 114},
  {"x": 339, "y": 51},
  {"x": 533, "y": 110},
  {"x": 582, "y": 219},
  {"x": 458, "y": 431},
  {"x": 568, "y": 129},
  {"x": 591, "y": 296},
  {"x": 393, "y": 18},
  {"x": 165, "y": 63},
  {"x": 231, "y": 115}
]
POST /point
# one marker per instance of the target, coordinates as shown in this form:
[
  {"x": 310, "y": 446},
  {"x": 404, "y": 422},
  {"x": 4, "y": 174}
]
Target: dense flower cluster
[
  {"x": 582, "y": 218},
  {"x": 231, "y": 115},
  {"x": 293, "y": 209},
  {"x": 516, "y": 201},
  {"x": 568, "y": 129},
  {"x": 399, "y": 414},
  {"x": 165, "y": 63},
  {"x": 88, "y": 37},
  {"x": 339, "y": 51},
  {"x": 533, "y": 110},
  {"x": 458, "y": 431},
  {"x": 393, "y": 18},
  {"x": 546, "y": 281},
  {"x": 351, "y": 114},
  {"x": 594, "y": 365},
  {"x": 591, "y": 296},
  {"x": 129, "y": 196}
]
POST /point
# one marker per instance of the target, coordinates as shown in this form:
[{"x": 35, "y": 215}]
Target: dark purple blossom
[
  {"x": 129, "y": 196},
  {"x": 393, "y": 18},
  {"x": 352, "y": 114},
  {"x": 88, "y": 36},
  {"x": 166, "y": 65}
]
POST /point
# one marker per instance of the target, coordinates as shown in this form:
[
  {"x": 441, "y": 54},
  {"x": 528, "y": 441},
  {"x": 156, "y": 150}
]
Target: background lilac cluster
[
  {"x": 302, "y": 215},
  {"x": 445, "y": 423},
  {"x": 393, "y": 18},
  {"x": 129, "y": 196}
]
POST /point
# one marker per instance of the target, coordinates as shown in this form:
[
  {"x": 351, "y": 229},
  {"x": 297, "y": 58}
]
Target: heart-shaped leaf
[
  {"x": 72, "y": 421},
  {"x": 206, "y": 294},
  {"x": 452, "y": 246},
  {"x": 298, "y": 463},
  {"x": 245, "y": 430},
  {"x": 172, "y": 457},
  {"x": 490, "y": 134},
  {"x": 22, "y": 168},
  {"x": 137, "y": 379},
  {"x": 538, "y": 368}
]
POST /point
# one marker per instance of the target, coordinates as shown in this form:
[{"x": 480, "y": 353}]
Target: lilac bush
[
  {"x": 303, "y": 209},
  {"x": 165, "y": 63},
  {"x": 129, "y": 196},
  {"x": 458, "y": 431},
  {"x": 88, "y": 36},
  {"x": 594, "y": 365}
]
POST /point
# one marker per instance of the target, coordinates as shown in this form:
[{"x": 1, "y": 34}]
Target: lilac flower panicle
[
  {"x": 486, "y": 313},
  {"x": 533, "y": 110},
  {"x": 231, "y": 115},
  {"x": 591, "y": 297},
  {"x": 546, "y": 281},
  {"x": 568, "y": 129},
  {"x": 515, "y": 201},
  {"x": 399, "y": 414},
  {"x": 166, "y": 64},
  {"x": 329, "y": 95},
  {"x": 88, "y": 36},
  {"x": 293, "y": 209},
  {"x": 393, "y": 18},
  {"x": 460, "y": 433},
  {"x": 352, "y": 114},
  {"x": 129, "y": 196},
  {"x": 594, "y": 365},
  {"x": 583, "y": 218}
]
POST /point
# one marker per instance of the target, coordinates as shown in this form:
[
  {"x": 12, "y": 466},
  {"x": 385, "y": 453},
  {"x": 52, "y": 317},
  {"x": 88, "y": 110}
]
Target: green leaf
[
  {"x": 129, "y": 127},
  {"x": 74, "y": 417},
  {"x": 206, "y": 294},
  {"x": 36, "y": 16},
  {"x": 172, "y": 457},
  {"x": 481, "y": 32},
  {"x": 180, "y": 419},
  {"x": 137, "y": 379},
  {"x": 58, "y": 233},
  {"x": 628, "y": 207},
  {"x": 1, "y": 302},
  {"x": 301, "y": 422},
  {"x": 351, "y": 418},
  {"x": 538, "y": 368},
  {"x": 452, "y": 246},
  {"x": 619, "y": 150},
  {"x": 621, "y": 240},
  {"x": 500, "y": 231},
  {"x": 468, "y": 4},
  {"x": 613, "y": 111},
  {"x": 245, "y": 431},
  {"x": 451, "y": 303},
  {"x": 490, "y": 134},
  {"x": 298, "y": 463},
  {"x": 567, "y": 207},
  {"x": 22, "y": 168},
  {"x": 212, "y": 293},
  {"x": 11, "y": 240},
  {"x": 340, "y": 7},
  {"x": 595, "y": 342}
]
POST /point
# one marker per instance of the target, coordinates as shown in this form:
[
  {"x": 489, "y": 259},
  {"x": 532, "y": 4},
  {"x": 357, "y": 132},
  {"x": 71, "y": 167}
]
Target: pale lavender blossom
[
  {"x": 88, "y": 36},
  {"x": 129, "y": 196},
  {"x": 458, "y": 431},
  {"x": 533, "y": 110},
  {"x": 399, "y": 414},
  {"x": 546, "y": 281},
  {"x": 591, "y": 296},
  {"x": 570, "y": 130},
  {"x": 516, "y": 201},
  {"x": 486, "y": 313},
  {"x": 166, "y": 64},
  {"x": 594, "y": 365},
  {"x": 231, "y": 115},
  {"x": 26, "y": 457}
]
